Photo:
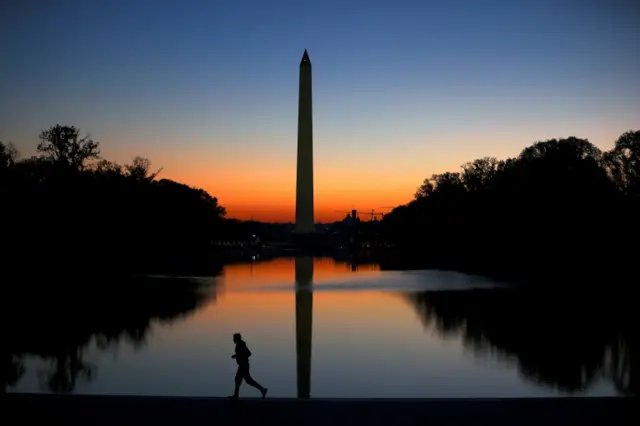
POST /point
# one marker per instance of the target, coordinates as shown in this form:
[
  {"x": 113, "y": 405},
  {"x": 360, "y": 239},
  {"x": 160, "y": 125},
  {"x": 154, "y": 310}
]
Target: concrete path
[{"x": 157, "y": 411}]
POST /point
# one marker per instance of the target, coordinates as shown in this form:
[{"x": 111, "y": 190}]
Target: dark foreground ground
[{"x": 139, "y": 410}]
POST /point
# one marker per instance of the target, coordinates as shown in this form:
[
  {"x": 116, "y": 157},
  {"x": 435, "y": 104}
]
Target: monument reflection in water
[{"x": 304, "y": 323}]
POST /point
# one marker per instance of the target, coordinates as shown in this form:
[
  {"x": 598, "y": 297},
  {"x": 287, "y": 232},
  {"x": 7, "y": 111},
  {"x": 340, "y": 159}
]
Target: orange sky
[
  {"x": 264, "y": 188},
  {"x": 260, "y": 183}
]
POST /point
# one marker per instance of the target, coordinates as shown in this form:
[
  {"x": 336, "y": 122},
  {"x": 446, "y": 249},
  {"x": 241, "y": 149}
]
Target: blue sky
[{"x": 416, "y": 87}]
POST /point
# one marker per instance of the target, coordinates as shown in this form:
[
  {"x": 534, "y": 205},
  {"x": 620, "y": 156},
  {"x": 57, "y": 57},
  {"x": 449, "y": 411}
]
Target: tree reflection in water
[
  {"x": 566, "y": 341},
  {"x": 59, "y": 323}
]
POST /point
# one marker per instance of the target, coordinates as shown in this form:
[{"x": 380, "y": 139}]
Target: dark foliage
[
  {"x": 565, "y": 341},
  {"x": 61, "y": 213},
  {"x": 561, "y": 207},
  {"x": 60, "y": 321}
]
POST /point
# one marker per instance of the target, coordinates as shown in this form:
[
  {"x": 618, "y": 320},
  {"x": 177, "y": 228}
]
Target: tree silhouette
[
  {"x": 11, "y": 371},
  {"x": 85, "y": 217},
  {"x": 63, "y": 322},
  {"x": 624, "y": 162},
  {"x": 563, "y": 341},
  {"x": 8, "y": 155},
  {"x": 63, "y": 145},
  {"x": 540, "y": 213},
  {"x": 478, "y": 174},
  {"x": 444, "y": 184},
  {"x": 140, "y": 170}
]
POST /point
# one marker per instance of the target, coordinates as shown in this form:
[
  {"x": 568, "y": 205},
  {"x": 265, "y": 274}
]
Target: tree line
[
  {"x": 60, "y": 325},
  {"x": 556, "y": 339},
  {"x": 562, "y": 209},
  {"x": 559, "y": 208},
  {"x": 67, "y": 209}
]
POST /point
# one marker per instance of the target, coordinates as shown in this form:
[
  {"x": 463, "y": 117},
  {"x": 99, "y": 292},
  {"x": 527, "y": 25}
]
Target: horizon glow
[{"x": 402, "y": 90}]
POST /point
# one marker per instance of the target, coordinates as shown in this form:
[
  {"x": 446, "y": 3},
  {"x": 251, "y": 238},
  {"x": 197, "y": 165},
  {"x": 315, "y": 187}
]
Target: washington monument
[{"x": 304, "y": 175}]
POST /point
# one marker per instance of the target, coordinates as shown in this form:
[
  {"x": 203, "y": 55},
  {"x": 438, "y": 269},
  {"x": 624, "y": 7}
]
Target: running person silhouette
[{"x": 242, "y": 358}]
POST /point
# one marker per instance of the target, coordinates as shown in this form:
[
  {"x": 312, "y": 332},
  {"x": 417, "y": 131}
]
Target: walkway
[{"x": 157, "y": 411}]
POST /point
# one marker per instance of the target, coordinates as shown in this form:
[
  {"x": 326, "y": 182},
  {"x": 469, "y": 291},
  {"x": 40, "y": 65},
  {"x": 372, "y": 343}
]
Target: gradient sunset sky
[{"x": 402, "y": 89}]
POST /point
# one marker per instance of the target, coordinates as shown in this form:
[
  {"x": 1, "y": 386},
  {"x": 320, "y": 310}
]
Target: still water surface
[{"x": 322, "y": 328}]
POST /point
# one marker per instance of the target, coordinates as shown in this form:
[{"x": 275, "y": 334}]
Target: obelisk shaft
[{"x": 304, "y": 175}]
